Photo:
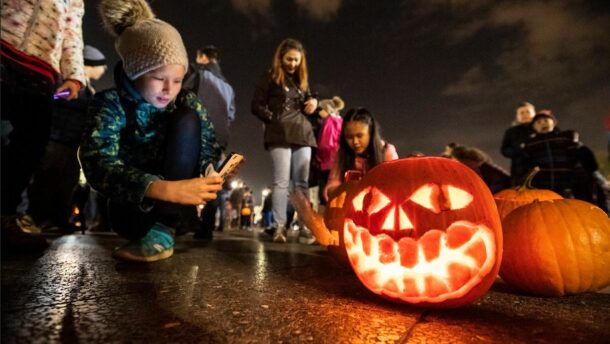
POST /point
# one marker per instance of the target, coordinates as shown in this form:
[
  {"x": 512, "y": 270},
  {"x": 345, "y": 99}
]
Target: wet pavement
[{"x": 242, "y": 288}]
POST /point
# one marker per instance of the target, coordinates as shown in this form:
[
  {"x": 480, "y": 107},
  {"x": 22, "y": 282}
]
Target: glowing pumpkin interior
[{"x": 429, "y": 240}]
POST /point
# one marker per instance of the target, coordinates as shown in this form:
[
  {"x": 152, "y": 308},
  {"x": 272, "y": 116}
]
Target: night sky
[{"x": 432, "y": 71}]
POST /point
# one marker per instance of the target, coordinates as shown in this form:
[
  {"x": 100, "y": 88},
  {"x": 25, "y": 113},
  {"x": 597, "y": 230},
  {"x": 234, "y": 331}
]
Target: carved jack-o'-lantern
[{"x": 425, "y": 231}]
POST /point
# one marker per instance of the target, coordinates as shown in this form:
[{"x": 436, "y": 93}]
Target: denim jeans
[{"x": 288, "y": 162}]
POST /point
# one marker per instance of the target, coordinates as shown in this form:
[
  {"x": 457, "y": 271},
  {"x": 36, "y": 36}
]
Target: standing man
[
  {"x": 514, "y": 141},
  {"x": 205, "y": 78}
]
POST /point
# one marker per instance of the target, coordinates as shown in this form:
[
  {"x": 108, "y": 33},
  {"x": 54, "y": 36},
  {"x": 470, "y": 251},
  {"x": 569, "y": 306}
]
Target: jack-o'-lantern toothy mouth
[{"x": 440, "y": 265}]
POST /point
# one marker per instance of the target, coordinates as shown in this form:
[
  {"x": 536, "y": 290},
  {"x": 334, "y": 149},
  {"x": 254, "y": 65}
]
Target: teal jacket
[{"x": 122, "y": 150}]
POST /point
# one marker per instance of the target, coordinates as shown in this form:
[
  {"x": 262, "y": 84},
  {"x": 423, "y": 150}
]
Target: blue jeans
[{"x": 288, "y": 161}]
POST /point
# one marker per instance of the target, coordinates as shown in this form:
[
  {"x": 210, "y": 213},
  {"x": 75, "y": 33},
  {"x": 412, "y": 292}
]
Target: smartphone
[{"x": 230, "y": 164}]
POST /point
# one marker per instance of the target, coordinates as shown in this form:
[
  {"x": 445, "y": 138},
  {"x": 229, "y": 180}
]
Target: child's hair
[
  {"x": 277, "y": 72},
  {"x": 374, "y": 152}
]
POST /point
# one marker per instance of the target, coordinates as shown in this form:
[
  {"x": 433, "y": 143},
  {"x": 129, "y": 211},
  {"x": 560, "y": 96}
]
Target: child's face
[
  {"x": 357, "y": 136},
  {"x": 160, "y": 86},
  {"x": 291, "y": 61},
  {"x": 544, "y": 125}
]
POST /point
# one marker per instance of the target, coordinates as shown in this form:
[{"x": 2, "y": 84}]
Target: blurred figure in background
[
  {"x": 493, "y": 175},
  {"x": 514, "y": 139},
  {"x": 53, "y": 185},
  {"x": 42, "y": 54}
]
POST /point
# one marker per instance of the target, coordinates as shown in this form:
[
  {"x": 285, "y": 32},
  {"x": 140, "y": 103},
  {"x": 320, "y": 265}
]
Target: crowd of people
[{"x": 144, "y": 144}]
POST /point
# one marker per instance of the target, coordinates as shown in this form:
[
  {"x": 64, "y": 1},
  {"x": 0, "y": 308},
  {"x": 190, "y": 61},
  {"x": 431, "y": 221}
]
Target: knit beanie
[
  {"x": 143, "y": 42},
  {"x": 333, "y": 105},
  {"x": 93, "y": 57}
]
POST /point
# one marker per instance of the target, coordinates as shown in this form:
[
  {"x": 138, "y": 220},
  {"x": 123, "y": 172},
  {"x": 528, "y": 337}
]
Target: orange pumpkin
[
  {"x": 557, "y": 247},
  {"x": 511, "y": 199},
  {"x": 425, "y": 231},
  {"x": 327, "y": 229}
]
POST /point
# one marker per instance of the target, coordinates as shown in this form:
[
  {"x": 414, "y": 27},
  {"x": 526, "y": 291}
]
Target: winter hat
[
  {"x": 543, "y": 114},
  {"x": 93, "y": 57},
  {"x": 143, "y": 42},
  {"x": 333, "y": 105}
]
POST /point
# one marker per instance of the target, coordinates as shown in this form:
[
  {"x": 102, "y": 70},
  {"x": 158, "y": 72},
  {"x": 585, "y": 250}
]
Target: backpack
[
  {"x": 328, "y": 142},
  {"x": 217, "y": 97}
]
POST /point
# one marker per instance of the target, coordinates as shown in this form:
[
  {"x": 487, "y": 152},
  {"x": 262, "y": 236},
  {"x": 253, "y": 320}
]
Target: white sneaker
[
  {"x": 27, "y": 224},
  {"x": 279, "y": 235},
  {"x": 306, "y": 236}
]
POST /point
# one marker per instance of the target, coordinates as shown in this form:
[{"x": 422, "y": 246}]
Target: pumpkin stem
[{"x": 527, "y": 184}]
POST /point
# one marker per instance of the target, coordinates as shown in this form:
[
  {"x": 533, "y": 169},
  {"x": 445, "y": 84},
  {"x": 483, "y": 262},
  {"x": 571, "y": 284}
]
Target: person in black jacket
[
  {"x": 283, "y": 101},
  {"x": 514, "y": 138}
]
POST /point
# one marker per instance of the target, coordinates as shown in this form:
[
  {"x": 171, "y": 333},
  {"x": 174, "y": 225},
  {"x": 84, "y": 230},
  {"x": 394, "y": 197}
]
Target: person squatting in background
[
  {"x": 147, "y": 139},
  {"x": 50, "y": 194},
  {"x": 41, "y": 47},
  {"x": 328, "y": 142},
  {"x": 567, "y": 166},
  {"x": 361, "y": 148},
  {"x": 283, "y": 102},
  {"x": 513, "y": 140},
  {"x": 493, "y": 175}
]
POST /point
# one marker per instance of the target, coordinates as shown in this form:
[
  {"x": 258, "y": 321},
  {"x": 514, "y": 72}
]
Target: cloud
[
  {"x": 558, "y": 45},
  {"x": 252, "y": 8},
  {"x": 319, "y": 10}
]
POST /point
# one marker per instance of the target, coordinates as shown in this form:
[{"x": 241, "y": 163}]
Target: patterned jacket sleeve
[
  {"x": 99, "y": 154},
  {"x": 71, "y": 62}
]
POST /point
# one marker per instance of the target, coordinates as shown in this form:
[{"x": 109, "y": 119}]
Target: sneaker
[
  {"x": 306, "y": 236},
  {"x": 156, "y": 245},
  {"x": 280, "y": 234},
  {"x": 27, "y": 224},
  {"x": 16, "y": 241}
]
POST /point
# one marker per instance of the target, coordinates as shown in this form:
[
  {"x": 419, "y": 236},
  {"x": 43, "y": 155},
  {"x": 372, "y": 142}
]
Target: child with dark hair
[
  {"x": 360, "y": 148},
  {"x": 147, "y": 140}
]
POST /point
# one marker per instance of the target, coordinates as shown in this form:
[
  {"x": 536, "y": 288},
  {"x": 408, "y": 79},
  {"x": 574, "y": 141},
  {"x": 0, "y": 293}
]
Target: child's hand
[
  {"x": 194, "y": 191},
  {"x": 71, "y": 86},
  {"x": 310, "y": 106}
]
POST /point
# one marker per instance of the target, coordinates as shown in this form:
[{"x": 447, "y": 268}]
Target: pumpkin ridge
[
  {"x": 588, "y": 252},
  {"x": 563, "y": 215},
  {"x": 556, "y": 270},
  {"x": 592, "y": 261}
]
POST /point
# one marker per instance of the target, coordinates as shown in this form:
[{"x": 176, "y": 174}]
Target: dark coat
[
  {"x": 556, "y": 155},
  {"x": 512, "y": 148},
  {"x": 280, "y": 108}
]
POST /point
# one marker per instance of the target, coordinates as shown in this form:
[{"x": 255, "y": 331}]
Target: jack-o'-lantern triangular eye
[
  {"x": 458, "y": 198},
  {"x": 358, "y": 201},
  {"x": 378, "y": 201},
  {"x": 427, "y": 196}
]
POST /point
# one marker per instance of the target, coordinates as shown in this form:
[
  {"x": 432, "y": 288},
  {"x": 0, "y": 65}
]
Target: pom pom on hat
[
  {"x": 333, "y": 105},
  {"x": 143, "y": 42}
]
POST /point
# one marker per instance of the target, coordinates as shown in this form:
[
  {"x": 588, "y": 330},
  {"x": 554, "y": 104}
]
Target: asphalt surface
[{"x": 242, "y": 288}]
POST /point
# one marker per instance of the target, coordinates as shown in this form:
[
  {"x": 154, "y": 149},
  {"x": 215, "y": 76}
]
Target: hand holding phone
[{"x": 228, "y": 166}]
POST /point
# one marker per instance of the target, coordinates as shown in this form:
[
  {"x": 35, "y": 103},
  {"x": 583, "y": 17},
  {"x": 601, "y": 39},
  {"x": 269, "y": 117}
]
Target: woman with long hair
[{"x": 282, "y": 100}]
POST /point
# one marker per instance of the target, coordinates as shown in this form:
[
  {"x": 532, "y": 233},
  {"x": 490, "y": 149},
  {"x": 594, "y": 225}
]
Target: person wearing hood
[{"x": 147, "y": 139}]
